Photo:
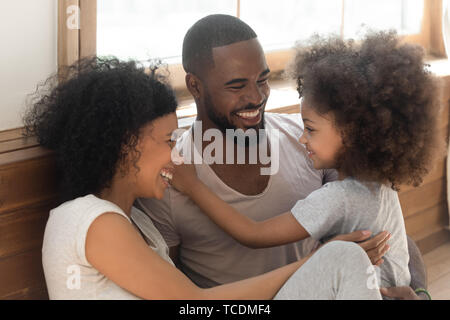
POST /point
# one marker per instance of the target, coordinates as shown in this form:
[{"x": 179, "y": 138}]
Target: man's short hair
[{"x": 210, "y": 32}]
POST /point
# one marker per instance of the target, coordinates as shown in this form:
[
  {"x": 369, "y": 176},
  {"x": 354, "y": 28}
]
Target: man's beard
[{"x": 222, "y": 122}]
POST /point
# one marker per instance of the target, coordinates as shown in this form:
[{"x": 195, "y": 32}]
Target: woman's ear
[{"x": 194, "y": 85}]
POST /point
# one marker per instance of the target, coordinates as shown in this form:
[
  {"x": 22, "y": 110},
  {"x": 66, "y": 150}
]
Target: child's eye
[{"x": 309, "y": 129}]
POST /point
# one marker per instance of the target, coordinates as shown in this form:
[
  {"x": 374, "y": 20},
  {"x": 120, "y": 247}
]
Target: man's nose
[{"x": 256, "y": 95}]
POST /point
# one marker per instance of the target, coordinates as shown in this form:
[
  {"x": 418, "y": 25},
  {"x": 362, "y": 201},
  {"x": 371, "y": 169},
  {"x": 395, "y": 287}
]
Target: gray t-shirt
[{"x": 345, "y": 206}]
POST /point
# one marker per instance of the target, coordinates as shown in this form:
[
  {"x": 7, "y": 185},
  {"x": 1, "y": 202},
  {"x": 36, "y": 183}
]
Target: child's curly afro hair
[{"x": 384, "y": 102}]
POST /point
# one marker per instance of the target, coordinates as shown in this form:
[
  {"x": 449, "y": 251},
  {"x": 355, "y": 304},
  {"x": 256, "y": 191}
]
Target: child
[{"x": 370, "y": 112}]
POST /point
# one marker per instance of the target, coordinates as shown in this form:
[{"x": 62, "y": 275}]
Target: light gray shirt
[{"x": 345, "y": 206}]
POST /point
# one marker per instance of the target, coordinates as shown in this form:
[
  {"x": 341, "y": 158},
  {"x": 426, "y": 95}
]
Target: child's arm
[{"x": 276, "y": 231}]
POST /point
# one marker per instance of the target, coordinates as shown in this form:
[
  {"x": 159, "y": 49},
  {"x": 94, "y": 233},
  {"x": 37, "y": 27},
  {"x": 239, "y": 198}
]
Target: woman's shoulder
[
  {"x": 87, "y": 201},
  {"x": 70, "y": 221},
  {"x": 64, "y": 251},
  {"x": 83, "y": 207}
]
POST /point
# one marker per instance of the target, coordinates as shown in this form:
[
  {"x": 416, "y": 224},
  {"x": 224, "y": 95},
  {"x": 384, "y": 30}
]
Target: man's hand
[
  {"x": 401, "y": 293},
  {"x": 375, "y": 248}
]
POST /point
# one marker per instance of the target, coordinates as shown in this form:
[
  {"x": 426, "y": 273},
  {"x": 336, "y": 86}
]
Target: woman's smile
[{"x": 166, "y": 176}]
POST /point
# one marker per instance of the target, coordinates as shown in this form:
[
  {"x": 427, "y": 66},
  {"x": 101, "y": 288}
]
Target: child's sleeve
[{"x": 322, "y": 212}]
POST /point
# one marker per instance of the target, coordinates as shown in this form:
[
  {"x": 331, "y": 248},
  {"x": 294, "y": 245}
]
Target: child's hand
[
  {"x": 184, "y": 178},
  {"x": 375, "y": 247}
]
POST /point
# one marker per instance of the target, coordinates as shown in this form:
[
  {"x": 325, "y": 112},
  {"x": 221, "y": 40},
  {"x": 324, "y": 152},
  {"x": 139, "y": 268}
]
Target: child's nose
[{"x": 303, "y": 139}]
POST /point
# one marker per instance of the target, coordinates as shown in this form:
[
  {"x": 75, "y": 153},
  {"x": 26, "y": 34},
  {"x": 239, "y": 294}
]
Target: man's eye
[
  {"x": 262, "y": 81},
  {"x": 237, "y": 87}
]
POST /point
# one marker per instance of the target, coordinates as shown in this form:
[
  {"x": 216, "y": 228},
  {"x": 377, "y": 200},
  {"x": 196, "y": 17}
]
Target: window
[
  {"x": 143, "y": 29},
  {"x": 405, "y": 16}
]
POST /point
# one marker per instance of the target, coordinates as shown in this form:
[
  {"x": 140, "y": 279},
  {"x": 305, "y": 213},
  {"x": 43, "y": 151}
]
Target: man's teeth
[
  {"x": 166, "y": 175},
  {"x": 248, "y": 114}
]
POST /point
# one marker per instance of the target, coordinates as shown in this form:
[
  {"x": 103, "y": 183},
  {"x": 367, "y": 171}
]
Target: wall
[{"x": 28, "y": 34}]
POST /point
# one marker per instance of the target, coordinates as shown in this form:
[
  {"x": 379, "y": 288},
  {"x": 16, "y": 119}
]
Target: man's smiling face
[{"x": 236, "y": 88}]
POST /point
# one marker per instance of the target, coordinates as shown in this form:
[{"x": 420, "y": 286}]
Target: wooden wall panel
[
  {"x": 425, "y": 208},
  {"x": 432, "y": 217},
  {"x": 423, "y": 197},
  {"x": 28, "y": 190},
  {"x": 436, "y": 173},
  {"x": 18, "y": 144},
  {"x": 27, "y": 182},
  {"x": 11, "y": 134},
  {"x": 23, "y": 229},
  {"x": 22, "y": 275}
]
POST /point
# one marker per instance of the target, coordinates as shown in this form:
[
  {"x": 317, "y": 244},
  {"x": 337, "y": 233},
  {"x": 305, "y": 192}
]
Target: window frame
[{"x": 76, "y": 44}]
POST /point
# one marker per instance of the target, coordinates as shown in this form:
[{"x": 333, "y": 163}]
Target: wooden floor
[{"x": 437, "y": 263}]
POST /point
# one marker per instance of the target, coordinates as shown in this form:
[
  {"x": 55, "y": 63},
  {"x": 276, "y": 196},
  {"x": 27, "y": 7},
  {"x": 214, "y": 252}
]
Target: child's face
[{"x": 320, "y": 137}]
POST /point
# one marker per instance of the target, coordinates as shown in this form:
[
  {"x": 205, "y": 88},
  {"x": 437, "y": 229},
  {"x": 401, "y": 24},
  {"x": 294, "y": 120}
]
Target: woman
[{"x": 110, "y": 125}]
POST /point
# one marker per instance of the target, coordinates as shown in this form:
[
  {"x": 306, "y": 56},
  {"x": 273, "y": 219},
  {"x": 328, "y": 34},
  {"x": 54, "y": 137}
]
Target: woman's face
[{"x": 155, "y": 147}]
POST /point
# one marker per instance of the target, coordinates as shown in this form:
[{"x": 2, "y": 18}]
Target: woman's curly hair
[
  {"x": 383, "y": 100},
  {"x": 92, "y": 119}
]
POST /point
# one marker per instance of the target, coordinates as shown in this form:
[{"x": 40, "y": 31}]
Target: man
[{"x": 227, "y": 75}]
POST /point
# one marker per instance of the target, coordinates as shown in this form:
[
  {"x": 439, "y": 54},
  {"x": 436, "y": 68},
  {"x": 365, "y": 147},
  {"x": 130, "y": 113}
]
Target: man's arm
[{"x": 173, "y": 254}]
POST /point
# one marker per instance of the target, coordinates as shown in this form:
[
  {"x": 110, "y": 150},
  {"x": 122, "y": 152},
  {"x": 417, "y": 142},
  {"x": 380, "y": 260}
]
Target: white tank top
[{"x": 68, "y": 274}]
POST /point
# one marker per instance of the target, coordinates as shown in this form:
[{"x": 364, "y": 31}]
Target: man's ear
[{"x": 194, "y": 85}]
